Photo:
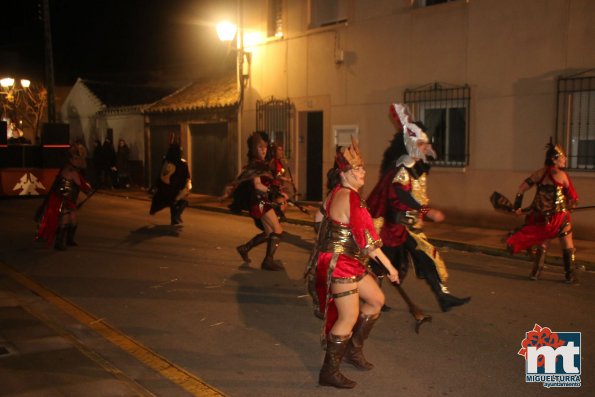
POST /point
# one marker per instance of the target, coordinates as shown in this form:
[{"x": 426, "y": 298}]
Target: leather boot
[
  {"x": 60, "y": 243},
  {"x": 538, "y": 264},
  {"x": 180, "y": 207},
  {"x": 329, "y": 373},
  {"x": 245, "y": 248},
  {"x": 70, "y": 231},
  {"x": 569, "y": 265},
  {"x": 361, "y": 331},
  {"x": 445, "y": 299},
  {"x": 269, "y": 262}
]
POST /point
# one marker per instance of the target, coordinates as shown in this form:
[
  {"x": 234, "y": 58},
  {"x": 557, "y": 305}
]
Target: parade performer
[
  {"x": 173, "y": 186},
  {"x": 548, "y": 215},
  {"x": 346, "y": 240},
  {"x": 399, "y": 204},
  {"x": 256, "y": 191},
  {"x": 56, "y": 217},
  {"x": 281, "y": 170}
]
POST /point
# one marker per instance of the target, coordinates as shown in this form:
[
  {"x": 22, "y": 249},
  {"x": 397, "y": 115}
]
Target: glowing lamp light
[
  {"x": 25, "y": 83},
  {"x": 7, "y": 82},
  {"x": 226, "y": 31}
]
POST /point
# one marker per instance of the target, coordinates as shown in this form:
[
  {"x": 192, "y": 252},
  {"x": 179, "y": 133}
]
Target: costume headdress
[
  {"x": 412, "y": 133},
  {"x": 553, "y": 151},
  {"x": 349, "y": 157}
]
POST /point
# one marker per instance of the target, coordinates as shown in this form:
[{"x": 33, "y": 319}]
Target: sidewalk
[{"x": 465, "y": 238}]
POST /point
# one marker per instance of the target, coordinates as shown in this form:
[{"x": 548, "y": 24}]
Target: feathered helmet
[
  {"x": 412, "y": 133},
  {"x": 349, "y": 157},
  {"x": 553, "y": 152}
]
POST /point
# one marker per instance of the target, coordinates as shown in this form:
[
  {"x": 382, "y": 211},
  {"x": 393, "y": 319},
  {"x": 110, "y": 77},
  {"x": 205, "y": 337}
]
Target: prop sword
[{"x": 79, "y": 205}]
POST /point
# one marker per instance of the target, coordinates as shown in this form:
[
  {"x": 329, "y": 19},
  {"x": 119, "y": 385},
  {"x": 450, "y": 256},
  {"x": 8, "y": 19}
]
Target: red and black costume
[
  {"x": 56, "y": 216},
  {"x": 548, "y": 216},
  {"x": 246, "y": 197},
  {"x": 398, "y": 204}
]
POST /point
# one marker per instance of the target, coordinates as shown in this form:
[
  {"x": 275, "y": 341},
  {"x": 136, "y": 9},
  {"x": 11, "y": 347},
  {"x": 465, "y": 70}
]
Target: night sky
[{"x": 134, "y": 41}]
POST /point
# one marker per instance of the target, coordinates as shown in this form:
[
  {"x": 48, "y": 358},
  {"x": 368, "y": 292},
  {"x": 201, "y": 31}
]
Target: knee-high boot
[
  {"x": 539, "y": 262},
  {"x": 70, "y": 231},
  {"x": 569, "y": 265},
  {"x": 361, "y": 331},
  {"x": 329, "y": 373},
  {"x": 245, "y": 248},
  {"x": 444, "y": 297},
  {"x": 60, "y": 243},
  {"x": 269, "y": 262}
]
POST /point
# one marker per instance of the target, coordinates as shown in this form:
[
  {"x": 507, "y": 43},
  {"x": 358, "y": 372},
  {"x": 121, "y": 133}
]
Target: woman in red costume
[
  {"x": 255, "y": 190},
  {"x": 548, "y": 215},
  {"x": 346, "y": 240},
  {"x": 57, "y": 215}
]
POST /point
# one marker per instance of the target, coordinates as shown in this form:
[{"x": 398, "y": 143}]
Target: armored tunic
[{"x": 548, "y": 215}]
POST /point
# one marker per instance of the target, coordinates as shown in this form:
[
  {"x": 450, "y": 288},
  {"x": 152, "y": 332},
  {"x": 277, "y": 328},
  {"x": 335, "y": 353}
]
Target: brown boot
[
  {"x": 269, "y": 263},
  {"x": 245, "y": 248},
  {"x": 329, "y": 373},
  {"x": 361, "y": 331},
  {"x": 569, "y": 265},
  {"x": 538, "y": 264}
]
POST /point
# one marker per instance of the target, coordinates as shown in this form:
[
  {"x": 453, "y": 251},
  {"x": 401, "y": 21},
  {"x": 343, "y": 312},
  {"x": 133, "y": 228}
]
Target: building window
[
  {"x": 576, "y": 119},
  {"x": 327, "y": 12},
  {"x": 343, "y": 134},
  {"x": 274, "y": 117},
  {"x": 275, "y": 23},
  {"x": 445, "y": 113}
]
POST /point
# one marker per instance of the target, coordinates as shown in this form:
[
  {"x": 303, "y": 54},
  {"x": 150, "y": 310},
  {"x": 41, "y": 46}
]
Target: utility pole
[{"x": 49, "y": 62}]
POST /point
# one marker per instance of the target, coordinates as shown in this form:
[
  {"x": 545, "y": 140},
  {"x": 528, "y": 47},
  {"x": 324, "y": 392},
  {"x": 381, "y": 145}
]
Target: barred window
[
  {"x": 274, "y": 117},
  {"x": 445, "y": 113},
  {"x": 576, "y": 119}
]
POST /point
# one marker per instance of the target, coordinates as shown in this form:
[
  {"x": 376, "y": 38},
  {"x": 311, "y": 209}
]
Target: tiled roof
[
  {"x": 122, "y": 95},
  {"x": 205, "y": 94}
]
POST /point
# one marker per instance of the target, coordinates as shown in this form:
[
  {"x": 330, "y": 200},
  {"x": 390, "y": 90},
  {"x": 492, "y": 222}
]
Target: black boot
[
  {"x": 329, "y": 373},
  {"x": 445, "y": 299},
  {"x": 70, "y": 231},
  {"x": 245, "y": 248},
  {"x": 448, "y": 301},
  {"x": 269, "y": 262},
  {"x": 60, "y": 242},
  {"x": 538, "y": 264},
  {"x": 569, "y": 266},
  {"x": 180, "y": 207},
  {"x": 361, "y": 331}
]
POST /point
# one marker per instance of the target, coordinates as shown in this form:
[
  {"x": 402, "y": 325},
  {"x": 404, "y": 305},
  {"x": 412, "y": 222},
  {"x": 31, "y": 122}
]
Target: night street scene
[{"x": 297, "y": 198}]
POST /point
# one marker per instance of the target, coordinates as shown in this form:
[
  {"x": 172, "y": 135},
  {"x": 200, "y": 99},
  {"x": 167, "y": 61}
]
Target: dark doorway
[
  {"x": 161, "y": 138},
  {"x": 314, "y": 165},
  {"x": 210, "y": 158}
]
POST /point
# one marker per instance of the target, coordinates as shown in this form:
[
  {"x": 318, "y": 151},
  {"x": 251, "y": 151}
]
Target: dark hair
[
  {"x": 174, "y": 153},
  {"x": 251, "y": 149},
  {"x": 395, "y": 150}
]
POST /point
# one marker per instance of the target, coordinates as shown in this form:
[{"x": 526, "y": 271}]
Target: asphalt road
[{"x": 184, "y": 295}]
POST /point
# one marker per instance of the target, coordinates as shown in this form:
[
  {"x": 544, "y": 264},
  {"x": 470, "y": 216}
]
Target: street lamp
[{"x": 227, "y": 31}]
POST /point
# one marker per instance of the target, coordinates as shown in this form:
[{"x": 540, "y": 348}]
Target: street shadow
[
  {"x": 149, "y": 232},
  {"x": 273, "y": 304},
  {"x": 297, "y": 241}
]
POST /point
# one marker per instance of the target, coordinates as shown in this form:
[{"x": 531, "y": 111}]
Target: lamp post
[{"x": 226, "y": 32}]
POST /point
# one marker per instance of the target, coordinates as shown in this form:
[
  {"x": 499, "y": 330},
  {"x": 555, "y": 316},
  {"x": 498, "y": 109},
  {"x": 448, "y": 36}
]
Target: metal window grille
[
  {"x": 575, "y": 126},
  {"x": 445, "y": 113},
  {"x": 274, "y": 117},
  {"x": 428, "y": 3}
]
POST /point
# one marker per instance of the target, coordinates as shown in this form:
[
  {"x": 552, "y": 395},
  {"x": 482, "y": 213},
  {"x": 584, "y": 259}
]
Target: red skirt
[
  {"x": 344, "y": 268},
  {"x": 536, "y": 230}
]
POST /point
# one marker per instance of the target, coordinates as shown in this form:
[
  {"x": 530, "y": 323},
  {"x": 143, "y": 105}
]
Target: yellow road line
[{"x": 166, "y": 368}]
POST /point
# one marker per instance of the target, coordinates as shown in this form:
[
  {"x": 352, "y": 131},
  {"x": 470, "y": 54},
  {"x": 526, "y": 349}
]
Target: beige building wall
[{"x": 510, "y": 52}]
